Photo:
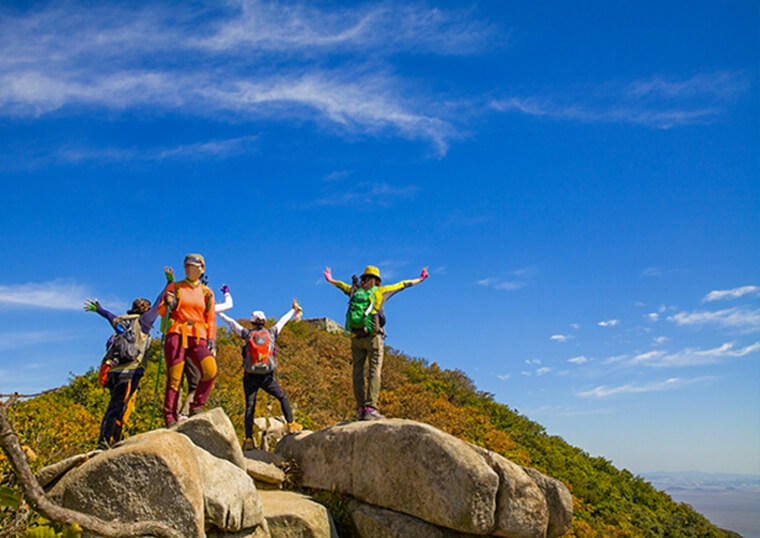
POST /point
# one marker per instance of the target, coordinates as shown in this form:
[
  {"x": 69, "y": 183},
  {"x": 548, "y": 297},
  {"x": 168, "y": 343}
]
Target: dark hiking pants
[
  {"x": 122, "y": 384},
  {"x": 266, "y": 382}
]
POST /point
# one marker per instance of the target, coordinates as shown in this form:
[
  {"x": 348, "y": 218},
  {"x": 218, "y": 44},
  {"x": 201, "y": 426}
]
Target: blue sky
[{"x": 582, "y": 180}]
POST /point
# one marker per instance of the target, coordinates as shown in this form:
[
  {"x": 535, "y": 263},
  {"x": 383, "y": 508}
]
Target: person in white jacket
[{"x": 259, "y": 366}]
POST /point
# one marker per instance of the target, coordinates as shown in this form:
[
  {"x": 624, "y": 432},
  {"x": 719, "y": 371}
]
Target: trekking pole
[{"x": 164, "y": 320}]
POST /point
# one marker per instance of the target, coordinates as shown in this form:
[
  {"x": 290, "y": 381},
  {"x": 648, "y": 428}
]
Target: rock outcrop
[
  {"x": 290, "y": 515},
  {"x": 415, "y": 469},
  {"x": 213, "y": 431},
  {"x": 153, "y": 476},
  {"x": 407, "y": 479},
  {"x": 163, "y": 476}
]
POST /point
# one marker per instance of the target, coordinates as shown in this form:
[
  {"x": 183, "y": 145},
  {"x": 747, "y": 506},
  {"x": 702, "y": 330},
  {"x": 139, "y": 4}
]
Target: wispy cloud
[
  {"x": 690, "y": 356},
  {"x": 521, "y": 280},
  {"x": 14, "y": 340},
  {"x": 504, "y": 377},
  {"x": 216, "y": 62},
  {"x": 735, "y": 293},
  {"x": 57, "y": 294},
  {"x": 609, "y": 323},
  {"x": 732, "y": 318},
  {"x": 656, "y": 102},
  {"x": 561, "y": 337},
  {"x": 212, "y": 149},
  {"x": 543, "y": 370},
  {"x": 369, "y": 195},
  {"x": 673, "y": 383},
  {"x": 578, "y": 360}
]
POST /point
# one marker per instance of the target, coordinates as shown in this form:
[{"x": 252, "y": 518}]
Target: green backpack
[{"x": 360, "y": 305}]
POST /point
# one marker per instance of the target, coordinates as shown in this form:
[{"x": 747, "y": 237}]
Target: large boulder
[
  {"x": 375, "y": 522},
  {"x": 559, "y": 501},
  {"x": 47, "y": 476},
  {"x": 213, "y": 431},
  {"x": 230, "y": 497},
  {"x": 153, "y": 476},
  {"x": 291, "y": 515},
  {"x": 521, "y": 509},
  {"x": 402, "y": 465}
]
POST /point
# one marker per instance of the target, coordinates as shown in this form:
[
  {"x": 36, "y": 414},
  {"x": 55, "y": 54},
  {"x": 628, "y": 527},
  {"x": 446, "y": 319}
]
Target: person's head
[
  {"x": 139, "y": 306},
  {"x": 258, "y": 319},
  {"x": 195, "y": 266},
  {"x": 370, "y": 277}
]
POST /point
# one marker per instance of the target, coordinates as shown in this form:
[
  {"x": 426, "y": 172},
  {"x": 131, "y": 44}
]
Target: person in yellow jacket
[
  {"x": 365, "y": 320},
  {"x": 191, "y": 334}
]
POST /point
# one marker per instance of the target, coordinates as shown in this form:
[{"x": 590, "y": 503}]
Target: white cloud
[
  {"x": 690, "y": 356},
  {"x": 369, "y": 195},
  {"x": 561, "y": 337},
  {"x": 13, "y": 340},
  {"x": 575, "y": 325},
  {"x": 57, "y": 294},
  {"x": 673, "y": 383},
  {"x": 533, "y": 361},
  {"x": 214, "y": 149},
  {"x": 578, "y": 360},
  {"x": 504, "y": 377},
  {"x": 735, "y": 293},
  {"x": 609, "y": 323},
  {"x": 658, "y": 340},
  {"x": 652, "y": 316},
  {"x": 503, "y": 285},
  {"x": 152, "y": 58},
  {"x": 655, "y": 102},
  {"x": 733, "y": 318},
  {"x": 543, "y": 370}
]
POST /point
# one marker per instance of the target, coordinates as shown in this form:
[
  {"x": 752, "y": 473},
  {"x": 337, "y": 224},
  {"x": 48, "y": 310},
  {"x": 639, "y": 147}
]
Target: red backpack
[{"x": 258, "y": 353}]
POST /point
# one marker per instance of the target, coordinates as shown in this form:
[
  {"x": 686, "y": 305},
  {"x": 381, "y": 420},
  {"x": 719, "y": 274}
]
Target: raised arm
[
  {"x": 227, "y": 304},
  {"x": 345, "y": 288},
  {"x": 234, "y": 325},
  {"x": 296, "y": 310},
  {"x": 92, "y": 305},
  {"x": 147, "y": 319}
]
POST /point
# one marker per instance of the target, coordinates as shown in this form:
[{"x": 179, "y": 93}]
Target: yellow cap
[
  {"x": 195, "y": 259},
  {"x": 371, "y": 270}
]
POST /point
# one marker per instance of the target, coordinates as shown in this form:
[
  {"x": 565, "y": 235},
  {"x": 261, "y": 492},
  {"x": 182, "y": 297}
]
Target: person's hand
[
  {"x": 328, "y": 274},
  {"x": 169, "y": 272},
  {"x": 91, "y": 305},
  {"x": 170, "y": 300},
  {"x": 225, "y": 289},
  {"x": 424, "y": 274},
  {"x": 298, "y": 309},
  {"x": 211, "y": 345}
]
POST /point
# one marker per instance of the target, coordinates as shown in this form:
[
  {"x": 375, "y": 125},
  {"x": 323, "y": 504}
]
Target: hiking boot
[
  {"x": 293, "y": 427},
  {"x": 361, "y": 412},
  {"x": 370, "y": 413},
  {"x": 182, "y": 417},
  {"x": 248, "y": 444}
]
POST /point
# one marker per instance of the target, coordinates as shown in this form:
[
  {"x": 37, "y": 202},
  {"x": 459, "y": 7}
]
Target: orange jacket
[{"x": 194, "y": 314}]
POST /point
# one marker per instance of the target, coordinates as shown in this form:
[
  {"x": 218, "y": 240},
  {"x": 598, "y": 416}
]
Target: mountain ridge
[{"x": 315, "y": 372}]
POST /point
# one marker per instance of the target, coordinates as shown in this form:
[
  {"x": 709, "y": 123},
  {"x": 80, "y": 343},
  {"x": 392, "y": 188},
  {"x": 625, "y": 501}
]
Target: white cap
[{"x": 258, "y": 315}]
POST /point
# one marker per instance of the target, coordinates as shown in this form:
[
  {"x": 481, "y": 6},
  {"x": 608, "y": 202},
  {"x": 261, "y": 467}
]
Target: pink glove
[
  {"x": 424, "y": 274},
  {"x": 328, "y": 274}
]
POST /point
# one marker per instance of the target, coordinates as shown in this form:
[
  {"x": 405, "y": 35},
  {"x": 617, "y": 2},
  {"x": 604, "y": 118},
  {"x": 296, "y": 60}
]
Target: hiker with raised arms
[
  {"x": 124, "y": 363},
  {"x": 192, "y": 374},
  {"x": 365, "y": 320},
  {"x": 191, "y": 334},
  {"x": 259, "y": 364}
]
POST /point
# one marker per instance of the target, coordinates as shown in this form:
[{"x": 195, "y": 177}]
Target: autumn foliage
[{"x": 315, "y": 371}]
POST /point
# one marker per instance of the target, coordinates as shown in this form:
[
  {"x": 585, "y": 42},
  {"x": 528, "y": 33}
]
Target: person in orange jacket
[{"x": 191, "y": 334}]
